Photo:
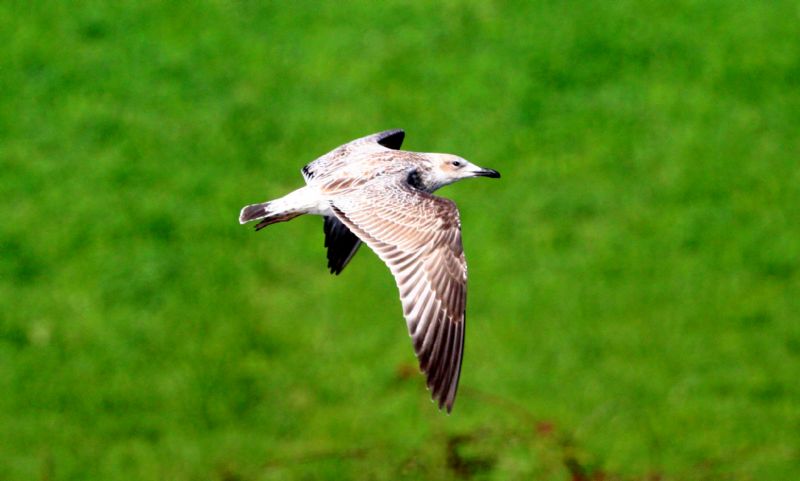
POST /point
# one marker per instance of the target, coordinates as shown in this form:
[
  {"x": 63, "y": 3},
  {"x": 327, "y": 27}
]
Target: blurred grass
[{"x": 634, "y": 290}]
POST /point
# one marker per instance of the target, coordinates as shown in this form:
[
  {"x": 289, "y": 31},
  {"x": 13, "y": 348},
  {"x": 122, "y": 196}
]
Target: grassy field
[{"x": 634, "y": 307}]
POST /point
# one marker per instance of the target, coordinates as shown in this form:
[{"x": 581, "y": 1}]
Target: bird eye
[{"x": 456, "y": 163}]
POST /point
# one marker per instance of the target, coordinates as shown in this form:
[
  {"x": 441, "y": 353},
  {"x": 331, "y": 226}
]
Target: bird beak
[{"x": 487, "y": 173}]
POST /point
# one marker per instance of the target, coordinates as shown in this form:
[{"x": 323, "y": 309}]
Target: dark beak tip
[{"x": 490, "y": 173}]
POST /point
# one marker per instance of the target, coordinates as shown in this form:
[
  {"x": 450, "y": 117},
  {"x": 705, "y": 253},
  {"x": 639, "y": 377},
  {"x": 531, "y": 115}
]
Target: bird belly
[{"x": 322, "y": 207}]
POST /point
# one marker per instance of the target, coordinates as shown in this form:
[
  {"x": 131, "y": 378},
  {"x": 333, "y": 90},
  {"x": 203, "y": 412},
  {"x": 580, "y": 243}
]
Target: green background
[{"x": 634, "y": 307}]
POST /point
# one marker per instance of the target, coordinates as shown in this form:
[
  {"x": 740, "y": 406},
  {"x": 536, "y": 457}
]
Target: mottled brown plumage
[{"x": 371, "y": 192}]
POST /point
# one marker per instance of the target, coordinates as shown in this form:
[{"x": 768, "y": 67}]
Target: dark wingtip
[
  {"x": 341, "y": 244},
  {"x": 392, "y": 139}
]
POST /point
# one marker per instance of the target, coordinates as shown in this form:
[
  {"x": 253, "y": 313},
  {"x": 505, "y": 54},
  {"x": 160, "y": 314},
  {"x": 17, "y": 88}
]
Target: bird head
[{"x": 447, "y": 168}]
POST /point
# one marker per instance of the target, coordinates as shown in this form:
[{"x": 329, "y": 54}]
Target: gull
[{"x": 370, "y": 191}]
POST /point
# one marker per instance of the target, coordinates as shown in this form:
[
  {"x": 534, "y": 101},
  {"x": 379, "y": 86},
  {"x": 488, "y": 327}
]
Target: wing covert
[
  {"x": 418, "y": 236},
  {"x": 338, "y": 157}
]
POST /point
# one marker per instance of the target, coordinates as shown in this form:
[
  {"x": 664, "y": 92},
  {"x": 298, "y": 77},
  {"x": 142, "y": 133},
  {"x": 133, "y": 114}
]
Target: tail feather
[
  {"x": 253, "y": 212},
  {"x": 274, "y": 218},
  {"x": 264, "y": 213},
  {"x": 285, "y": 208}
]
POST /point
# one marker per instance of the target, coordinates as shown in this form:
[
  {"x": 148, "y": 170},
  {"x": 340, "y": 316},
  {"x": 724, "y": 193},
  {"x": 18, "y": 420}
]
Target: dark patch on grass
[
  {"x": 229, "y": 473},
  {"x": 93, "y": 29},
  {"x": 13, "y": 335},
  {"x": 102, "y": 129},
  {"x": 760, "y": 318},
  {"x": 781, "y": 269},
  {"x": 463, "y": 465},
  {"x": 18, "y": 261},
  {"x": 793, "y": 345},
  {"x": 769, "y": 392},
  {"x": 160, "y": 227}
]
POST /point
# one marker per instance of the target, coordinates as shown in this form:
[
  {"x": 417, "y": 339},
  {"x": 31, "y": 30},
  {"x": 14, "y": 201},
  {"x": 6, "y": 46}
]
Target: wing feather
[
  {"x": 337, "y": 158},
  {"x": 418, "y": 236},
  {"x": 342, "y": 244}
]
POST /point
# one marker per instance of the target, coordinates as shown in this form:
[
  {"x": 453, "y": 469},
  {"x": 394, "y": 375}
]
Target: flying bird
[{"x": 370, "y": 191}]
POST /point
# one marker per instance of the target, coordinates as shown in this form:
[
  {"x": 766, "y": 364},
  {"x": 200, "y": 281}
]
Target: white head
[{"x": 447, "y": 168}]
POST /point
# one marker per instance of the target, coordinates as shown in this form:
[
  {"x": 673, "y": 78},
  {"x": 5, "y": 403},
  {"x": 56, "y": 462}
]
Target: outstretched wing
[
  {"x": 338, "y": 157},
  {"x": 418, "y": 236}
]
